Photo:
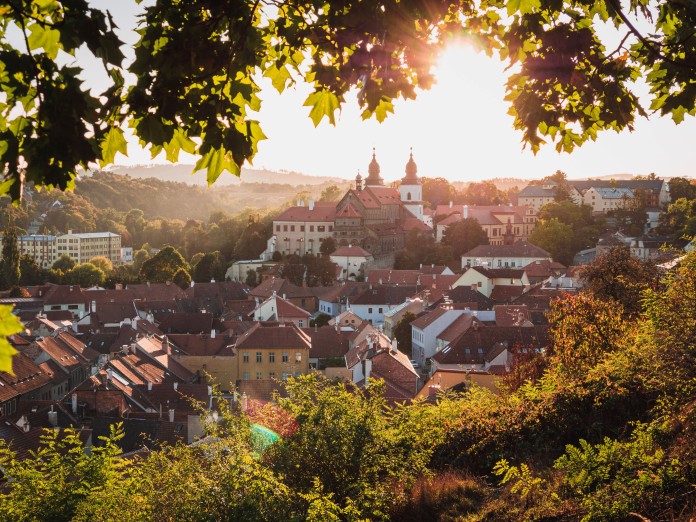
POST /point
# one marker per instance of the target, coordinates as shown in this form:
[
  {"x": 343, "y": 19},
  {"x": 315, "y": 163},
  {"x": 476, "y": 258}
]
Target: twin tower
[{"x": 411, "y": 188}]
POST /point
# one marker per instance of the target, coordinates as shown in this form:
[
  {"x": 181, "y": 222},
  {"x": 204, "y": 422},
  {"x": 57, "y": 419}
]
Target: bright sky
[{"x": 459, "y": 130}]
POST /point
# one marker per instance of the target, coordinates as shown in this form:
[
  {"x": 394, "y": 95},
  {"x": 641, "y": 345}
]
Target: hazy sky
[{"x": 459, "y": 130}]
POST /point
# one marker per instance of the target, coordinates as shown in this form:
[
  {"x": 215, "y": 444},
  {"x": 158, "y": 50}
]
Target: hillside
[
  {"x": 183, "y": 173},
  {"x": 177, "y": 200}
]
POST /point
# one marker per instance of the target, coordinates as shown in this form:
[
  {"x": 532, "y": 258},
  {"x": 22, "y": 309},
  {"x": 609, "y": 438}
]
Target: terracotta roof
[
  {"x": 64, "y": 294},
  {"x": 27, "y": 375},
  {"x": 414, "y": 223},
  {"x": 110, "y": 313},
  {"x": 103, "y": 296},
  {"x": 348, "y": 211},
  {"x": 58, "y": 315},
  {"x": 384, "y": 195},
  {"x": 383, "y": 294},
  {"x": 511, "y": 315},
  {"x": 365, "y": 198},
  {"x": 223, "y": 290},
  {"x": 518, "y": 249},
  {"x": 261, "y": 389},
  {"x": 327, "y": 341},
  {"x": 426, "y": 320},
  {"x": 273, "y": 335},
  {"x": 323, "y": 211},
  {"x": 351, "y": 251},
  {"x": 284, "y": 309},
  {"x": 460, "y": 325},
  {"x": 465, "y": 294},
  {"x": 153, "y": 348},
  {"x": 543, "y": 268},
  {"x": 186, "y": 323},
  {"x": 156, "y": 291},
  {"x": 204, "y": 344},
  {"x": 432, "y": 269},
  {"x": 499, "y": 273},
  {"x": 478, "y": 346},
  {"x": 281, "y": 287},
  {"x": 372, "y": 343},
  {"x": 444, "y": 282},
  {"x": 506, "y": 293}
]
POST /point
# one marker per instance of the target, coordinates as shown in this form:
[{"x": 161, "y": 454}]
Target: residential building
[
  {"x": 515, "y": 255},
  {"x": 352, "y": 260},
  {"x": 84, "y": 246},
  {"x": 654, "y": 193},
  {"x": 371, "y": 303},
  {"x": 497, "y": 283},
  {"x": 275, "y": 308},
  {"x": 502, "y": 224},
  {"x": 536, "y": 196},
  {"x": 603, "y": 200},
  {"x": 272, "y": 351},
  {"x": 301, "y": 229},
  {"x": 393, "y": 317},
  {"x": 41, "y": 248}
]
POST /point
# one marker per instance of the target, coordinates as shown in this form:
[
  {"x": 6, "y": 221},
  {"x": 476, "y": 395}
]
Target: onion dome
[
  {"x": 411, "y": 177},
  {"x": 373, "y": 177}
]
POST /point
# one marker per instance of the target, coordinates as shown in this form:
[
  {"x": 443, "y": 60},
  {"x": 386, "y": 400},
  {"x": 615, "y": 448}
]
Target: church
[{"x": 377, "y": 217}]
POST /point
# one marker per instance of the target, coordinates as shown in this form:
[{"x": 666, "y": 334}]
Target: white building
[
  {"x": 300, "y": 230},
  {"x": 602, "y": 200},
  {"x": 516, "y": 255},
  {"x": 352, "y": 260}
]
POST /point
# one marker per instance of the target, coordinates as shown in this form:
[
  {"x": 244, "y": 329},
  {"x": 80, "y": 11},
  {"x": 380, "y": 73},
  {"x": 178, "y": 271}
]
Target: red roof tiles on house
[{"x": 322, "y": 211}]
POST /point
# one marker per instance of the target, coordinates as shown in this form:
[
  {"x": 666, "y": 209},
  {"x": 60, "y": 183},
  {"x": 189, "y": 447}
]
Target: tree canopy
[{"x": 197, "y": 67}]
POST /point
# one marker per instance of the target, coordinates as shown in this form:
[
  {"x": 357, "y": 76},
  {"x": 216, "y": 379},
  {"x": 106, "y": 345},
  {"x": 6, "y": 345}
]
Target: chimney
[
  {"x": 109, "y": 374},
  {"x": 149, "y": 385},
  {"x": 450, "y": 203},
  {"x": 176, "y": 386},
  {"x": 192, "y": 283},
  {"x": 118, "y": 286},
  {"x": 311, "y": 204},
  {"x": 212, "y": 333},
  {"x": 53, "y": 418},
  {"x": 74, "y": 403},
  {"x": 165, "y": 345},
  {"x": 466, "y": 211},
  {"x": 25, "y": 424},
  {"x": 171, "y": 415},
  {"x": 395, "y": 347}
]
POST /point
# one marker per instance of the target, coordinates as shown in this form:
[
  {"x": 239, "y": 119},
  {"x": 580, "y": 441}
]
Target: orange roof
[
  {"x": 348, "y": 211},
  {"x": 322, "y": 211}
]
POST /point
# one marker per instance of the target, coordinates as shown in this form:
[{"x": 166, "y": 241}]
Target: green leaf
[
  {"x": 279, "y": 76},
  {"x": 179, "y": 142},
  {"x": 529, "y": 6},
  {"x": 9, "y": 325},
  {"x": 323, "y": 103},
  {"x": 385, "y": 106},
  {"x": 678, "y": 114},
  {"x": 46, "y": 38},
  {"x": 113, "y": 143},
  {"x": 214, "y": 162}
]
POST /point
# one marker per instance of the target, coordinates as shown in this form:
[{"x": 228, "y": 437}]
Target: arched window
[{"x": 408, "y": 196}]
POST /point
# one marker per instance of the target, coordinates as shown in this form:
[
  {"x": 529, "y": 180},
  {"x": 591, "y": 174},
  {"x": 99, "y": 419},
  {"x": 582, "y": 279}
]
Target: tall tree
[
  {"x": 161, "y": 267},
  {"x": 556, "y": 238},
  {"x": 85, "y": 275},
  {"x": 620, "y": 277},
  {"x": 31, "y": 273},
  {"x": 464, "y": 235},
  {"x": 402, "y": 333},
  {"x": 10, "y": 260}
]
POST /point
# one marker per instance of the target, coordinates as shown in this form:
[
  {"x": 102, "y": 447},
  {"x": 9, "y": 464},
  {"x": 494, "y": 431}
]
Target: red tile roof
[
  {"x": 506, "y": 294},
  {"x": 27, "y": 375},
  {"x": 348, "y": 211},
  {"x": 273, "y": 335},
  {"x": 204, "y": 344},
  {"x": 327, "y": 341},
  {"x": 518, "y": 249},
  {"x": 156, "y": 291},
  {"x": 393, "y": 277},
  {"x": 323, "y": 211}
]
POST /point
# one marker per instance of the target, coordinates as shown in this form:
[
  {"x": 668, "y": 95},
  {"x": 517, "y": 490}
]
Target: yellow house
[{"x": 272, "y": 351}]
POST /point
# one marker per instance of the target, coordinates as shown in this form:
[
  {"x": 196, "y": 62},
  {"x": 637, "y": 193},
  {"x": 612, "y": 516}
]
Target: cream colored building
[
  {"x": 301, "y": 229},
  {"x": 41, "y": 249},
  {"x": 602, "y": 200},
  {"x": 85, "y": 246}
]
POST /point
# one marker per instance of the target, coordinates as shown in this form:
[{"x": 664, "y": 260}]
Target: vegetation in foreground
[{"x": 607, "y": 432}]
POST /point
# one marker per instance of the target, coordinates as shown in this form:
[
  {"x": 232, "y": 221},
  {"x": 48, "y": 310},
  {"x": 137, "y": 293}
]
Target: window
[
  {"x": 298, "y": 356},
  {"x": 301, "y": 228},
  {"x": 259, "y": 357},
  {"x": 285, "y": 228},
  {"x": 271, "y": 357},
  {"x": 277, "y": 228},
  {"x": 480, "y": 284},
  {"x": 330, "y": 228},
  {"x": 311, "y": 228},
  {"x": 271, "y": 375},
  {"x": 285, "y": 357},
  {"x": 369, "y": 310},
  {"x": 379, "y": 310},
  {"x": 300, "y": 323},
  {"x": 245, "y": 357},
  {"x": 500, "y": 263},
  {"x": 285, "y": 376},
  {"x": 408, "y": 196},
  {"x": 321, "y": 228},
  {"x": 245, "y": 376},
  {"x": 292, "y": 228},
  {"x": 258, "y": 376}
]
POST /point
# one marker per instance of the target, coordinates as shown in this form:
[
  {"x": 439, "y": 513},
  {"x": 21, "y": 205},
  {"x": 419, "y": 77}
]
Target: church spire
[
  {"x": 411, "y": 177},
  {"x": 373, "y": 177}
]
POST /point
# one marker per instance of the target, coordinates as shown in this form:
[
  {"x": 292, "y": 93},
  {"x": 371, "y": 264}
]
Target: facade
[
  {"x": 352, "y": 261},
  {"x": 516, "y": 255},
  {"x": 40, "y": 248},
  {"x": 300, "y": 230},
  {"x": 536, "y": 196},
  {"x": 502, "y": 224},
  {"x": 272, "y": 351},
  {"x": 603, "y": 200},
  {"x": 654, "y": 193}
]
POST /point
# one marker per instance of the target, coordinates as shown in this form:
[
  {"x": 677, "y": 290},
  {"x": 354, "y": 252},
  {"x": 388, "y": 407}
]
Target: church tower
[
  {"x": 373, "y": 179},
  {"x": 412, "y": 189}
]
